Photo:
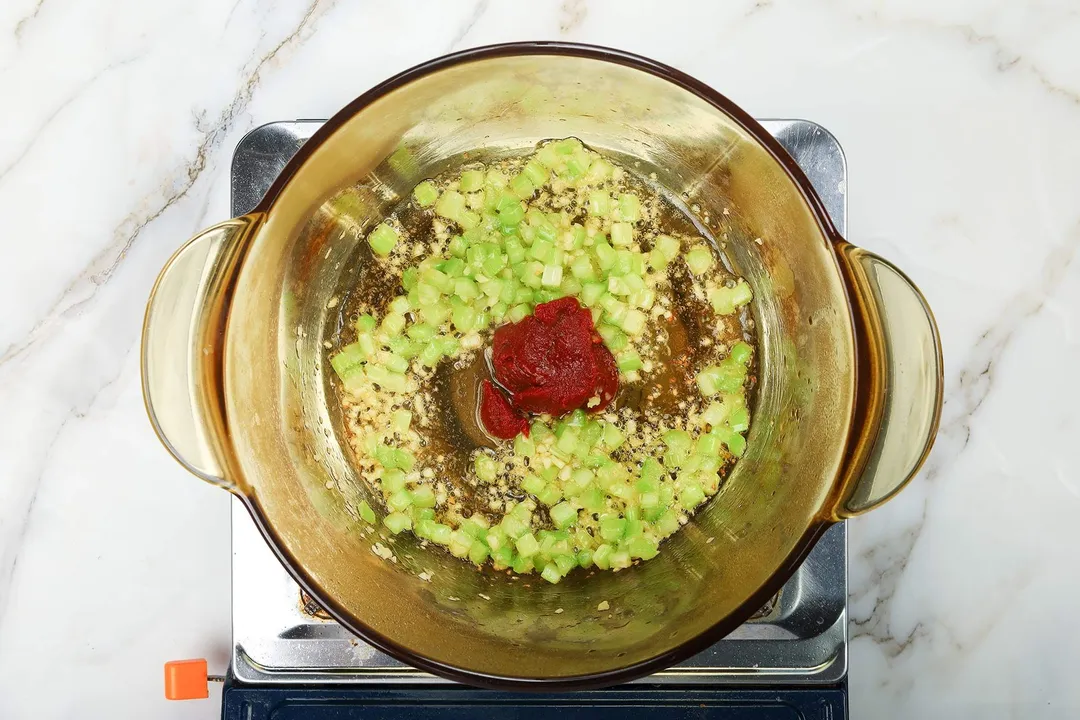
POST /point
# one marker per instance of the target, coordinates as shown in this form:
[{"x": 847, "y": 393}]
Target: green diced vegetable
[
  {"x": 397, "y": 521},
  {"x": 526, "y": 545},
  {"x": 423, "y": 497},
  {"x": 366, "y": 513},
  {"x": 622, "y": 234},
  {"x": 727, "y": 300},
  {"x": 629, "y": 207},
  {"x": 383, "y": 239},
  {"x": 472, "y": 180},
  {"x": 486, "y": 467},
  {"x": 699, "y": 260},
  {"x": 551, "y": 574},
  {"x": 741, "y": 352},
  {"x": 426, "y": 193}
]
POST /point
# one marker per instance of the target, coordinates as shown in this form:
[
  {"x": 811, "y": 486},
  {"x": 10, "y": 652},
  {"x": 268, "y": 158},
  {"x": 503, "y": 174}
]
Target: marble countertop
[{"x": 959, "y": 121}]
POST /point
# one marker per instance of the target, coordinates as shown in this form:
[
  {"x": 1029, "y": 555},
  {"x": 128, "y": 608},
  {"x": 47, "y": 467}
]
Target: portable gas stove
[{"x": 289, "y": 660}]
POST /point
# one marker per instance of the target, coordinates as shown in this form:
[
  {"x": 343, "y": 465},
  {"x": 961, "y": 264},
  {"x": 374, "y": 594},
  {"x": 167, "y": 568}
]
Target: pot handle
[
  {"x": 898, "y": 397},
  {"x": 181, "y": 347}
]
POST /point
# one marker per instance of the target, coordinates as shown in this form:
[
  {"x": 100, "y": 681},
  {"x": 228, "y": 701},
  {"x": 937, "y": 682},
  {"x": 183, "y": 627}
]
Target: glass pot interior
[{"x": 286, "y": 445}]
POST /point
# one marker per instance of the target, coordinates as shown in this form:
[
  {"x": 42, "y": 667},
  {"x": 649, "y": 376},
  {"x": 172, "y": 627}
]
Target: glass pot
[{"x": 237, "y": 383}]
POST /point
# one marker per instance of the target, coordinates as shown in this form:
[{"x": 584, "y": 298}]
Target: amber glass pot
[{"x": 237, "y": 383}]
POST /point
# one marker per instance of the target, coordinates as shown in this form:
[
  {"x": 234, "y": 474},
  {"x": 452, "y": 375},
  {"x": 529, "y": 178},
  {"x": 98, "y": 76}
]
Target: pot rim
[{"x": 802, "y": 547}]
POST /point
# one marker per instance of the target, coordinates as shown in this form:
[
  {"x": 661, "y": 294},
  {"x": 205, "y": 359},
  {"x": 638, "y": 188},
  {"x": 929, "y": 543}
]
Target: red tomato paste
[
  {"x": 498, "y": 415},
  {"x": 553, "y": 361}
]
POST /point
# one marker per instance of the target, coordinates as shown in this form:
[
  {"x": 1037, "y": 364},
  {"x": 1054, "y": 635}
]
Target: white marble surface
[{"x": 960, "y": 125}]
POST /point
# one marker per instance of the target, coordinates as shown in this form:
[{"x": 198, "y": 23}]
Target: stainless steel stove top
[{"x": 800, "y": 638}]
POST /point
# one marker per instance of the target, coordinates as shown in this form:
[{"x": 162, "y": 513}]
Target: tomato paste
[
  {"x": 553, "y": 361},
  {"x": 499, "y": 417}
]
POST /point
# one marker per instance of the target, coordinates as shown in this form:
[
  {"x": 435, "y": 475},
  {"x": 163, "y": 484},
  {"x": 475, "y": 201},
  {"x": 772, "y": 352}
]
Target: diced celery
[
  {"x": 441, "y": 534},
  {"x": 580, "y": 479},
  {"x": 667, "y": 523},
  {"x": 622, "y": 234},
  {"x": 551, "y": 573},
  {"x": 519, "y": 313},
  {"x": 642, "y": 547},
  {"x": 350, "y": 357},
  {"x": 400, "y": 500},
  {"x": 708, "y": 381},
  {"x": 486, "y": 467},
  {"x": 366, "y": 513},
  {"x": 397, "y": 521},
  {"x": 649, "y": 500},
  {"x": 460, "y": 543},
  {"x": 458, "y": 246},
  {"x": 435, "y": 314},
  {"x": 584, "y": 557},
  {"x": 634, "y": 321},
  {"x": 568, "y": 442},
  {"x": 541, "y": 250},
  {"x": 599, "y": 204},
  {"x": 735, "y": 442},
  {"x": 466, "y": 289},
  {"x": 552, "y": 276},
  {"x": 629, "y": 361},
  {"x": 613, "y": 337},
  {"x": 532, "y": 483},
  {"x": 739, "y": 421},
  {"x": 741, "y": 352},
  {"x": 629, "y": 207},
  {"x": 549, "y": 495},
  {"x": 421, "y": 332},
  {"x": 563, "y": 515},
  {"x": 502, "y": 557},
  {"x": 616, "y": 286},
  {"x": 532, "y": 273},
  {"x": 527, "y": 545},
  {"x": 535, "y": 172},
  {"x": 567, "y": 146},
  {"x": 605, "y": 255},
  {"x": 612, "y": 528},
  {"x": 524, "y": 446},
  {"x": 387, "y": 379},
  {"x": 667, "y": 246},
  {"x": 727, "y": 300},
  {"x": 383, "y": 239},
  {"x": 392, "y": 480},
  {"x": 511, "y": 215},
  {"x": 624, "y": 262},
  {"x": 699, "y": 260},
  {"x": 691, "y": 496},
  {"x": 522, "y": 566},
  {"x": 400, "y": 421},
  {"x": 515, "y": 252},
  {"x": 592, "y": 499},
  {"x": 581, "y": 268},
  {"x": 450, "y": 205},
  {"x": 546, "y": 231},
  {"x": 366, "y": 323},
  {"x": 602, "y": 556},
  {"x": 404, "y": 459},
  {"x": 393, "y": 323},
  {"x": 478, "y": 552},
  {"x": 423, "y": 497},
  {"x": 426, "y": 193},
  {"x": 707, "y": 444},
  {"x": 678, "y": 446},
  {"x": 591, "y": 293},
  {"x": 464, "y": 318},
  {"x": 472, "y": 180}
]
